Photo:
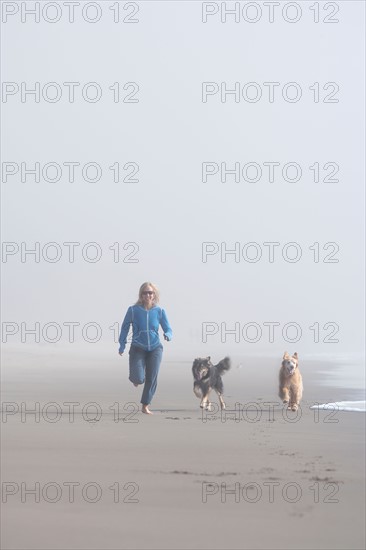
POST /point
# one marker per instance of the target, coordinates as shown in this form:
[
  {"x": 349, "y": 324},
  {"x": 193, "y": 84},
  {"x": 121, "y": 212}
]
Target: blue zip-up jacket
[{"x": 145, "y": 327}]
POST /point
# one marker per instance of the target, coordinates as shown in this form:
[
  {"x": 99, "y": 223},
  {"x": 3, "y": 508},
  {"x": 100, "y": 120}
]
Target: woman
[{"x": 146, "y": 350}]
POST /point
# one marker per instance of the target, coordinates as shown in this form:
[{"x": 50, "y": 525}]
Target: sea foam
[{"x": 353, "y": 406}]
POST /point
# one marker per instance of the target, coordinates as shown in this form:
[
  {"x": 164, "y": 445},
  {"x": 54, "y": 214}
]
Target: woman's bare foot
[{"x": 145, "y": 409}]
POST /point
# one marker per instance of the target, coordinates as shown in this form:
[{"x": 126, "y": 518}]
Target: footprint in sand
[
  {"x": 220, "y": 474},
  {"x": 300, "y": 512},
  {"x": 325, "y": 479}
]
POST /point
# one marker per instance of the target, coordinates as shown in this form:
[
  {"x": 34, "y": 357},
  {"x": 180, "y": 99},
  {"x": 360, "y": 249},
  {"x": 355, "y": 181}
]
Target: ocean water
[
  {"x": 345, "y": 371},
  {"x": 350, "y": 406}
]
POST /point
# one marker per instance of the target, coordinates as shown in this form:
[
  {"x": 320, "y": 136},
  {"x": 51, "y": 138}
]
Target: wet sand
[{"x": 253, "y": 477}]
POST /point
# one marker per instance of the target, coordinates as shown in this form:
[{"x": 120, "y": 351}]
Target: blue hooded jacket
[{"x": 145, "y": 327}]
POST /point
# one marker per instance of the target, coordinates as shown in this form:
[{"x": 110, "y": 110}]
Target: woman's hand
[
  {"x": 166, "y": 338},
  {"x": 120, "y": 353}
]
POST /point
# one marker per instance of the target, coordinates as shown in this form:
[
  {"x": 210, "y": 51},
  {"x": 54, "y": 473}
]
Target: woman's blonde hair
[{"x": 156, "y": 293}]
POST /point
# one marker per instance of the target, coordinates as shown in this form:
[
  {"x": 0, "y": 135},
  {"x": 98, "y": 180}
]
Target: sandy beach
[{"x": 106, "y": 476}]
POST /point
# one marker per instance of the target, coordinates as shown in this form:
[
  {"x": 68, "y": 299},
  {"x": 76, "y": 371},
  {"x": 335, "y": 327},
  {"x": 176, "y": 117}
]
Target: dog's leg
[
  {"x": 203, "y": 404},
  {"x": 197, "y": 390},
  {"x": 293, "y": 404},
  {"x": 206, "y": 403},
  {"x": 296, "y": 398},
  {"x": 299, "y": 392},
  {"x": 222, "y": 404},
  {"x": 291, "y": 398},
  {"x": 284, "y": 394}
]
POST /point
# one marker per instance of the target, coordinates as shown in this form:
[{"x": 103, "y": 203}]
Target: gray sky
[{"x": 170, "y": 211}]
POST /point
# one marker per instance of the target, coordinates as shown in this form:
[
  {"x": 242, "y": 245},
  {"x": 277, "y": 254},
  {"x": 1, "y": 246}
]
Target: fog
[{"x": 183, "y": 228}]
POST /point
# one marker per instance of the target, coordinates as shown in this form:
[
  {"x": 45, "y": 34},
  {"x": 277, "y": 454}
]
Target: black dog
[{"x": 207, "y": 377}]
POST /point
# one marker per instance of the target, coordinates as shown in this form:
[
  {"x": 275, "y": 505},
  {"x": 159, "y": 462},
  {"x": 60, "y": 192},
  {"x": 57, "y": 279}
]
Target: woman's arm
[
  {"x": 124, "y": 330},
  {"x": 168, "y": 333}
]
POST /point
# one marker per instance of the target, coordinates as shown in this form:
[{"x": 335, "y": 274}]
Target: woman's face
[{"x": 148, "y": 297}]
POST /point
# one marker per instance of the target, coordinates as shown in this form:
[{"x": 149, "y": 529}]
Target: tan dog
[{"x": 290, "y": 381}]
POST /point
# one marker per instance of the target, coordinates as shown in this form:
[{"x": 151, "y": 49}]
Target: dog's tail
[{"x": 224, "y": 365}]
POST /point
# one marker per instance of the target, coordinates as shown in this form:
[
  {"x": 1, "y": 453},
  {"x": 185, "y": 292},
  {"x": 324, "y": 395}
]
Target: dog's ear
[
  {"x": 295, "y": 355},
  {"x": 286, "y": 355},
  {"x": 208, "y": 358}
]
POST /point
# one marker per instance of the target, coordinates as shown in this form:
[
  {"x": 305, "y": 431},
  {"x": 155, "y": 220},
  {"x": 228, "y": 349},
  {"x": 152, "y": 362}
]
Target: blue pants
[{"x": 144, "y": 367}]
